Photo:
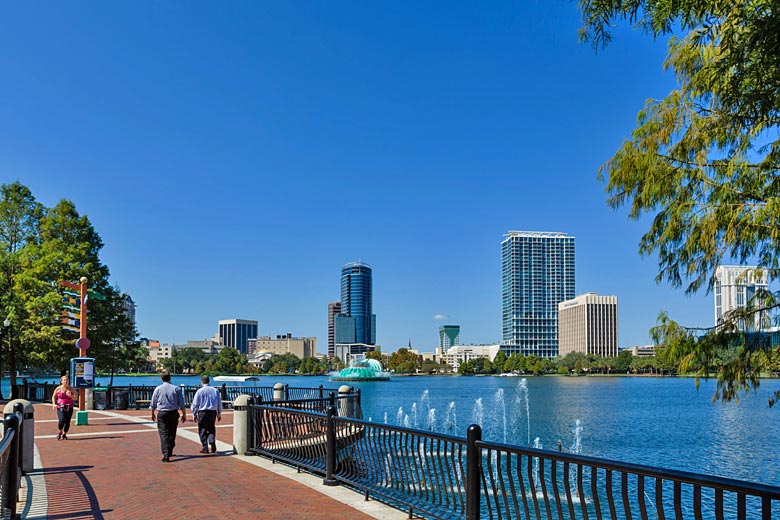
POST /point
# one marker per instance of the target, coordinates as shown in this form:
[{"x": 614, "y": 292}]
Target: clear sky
[{"x": 234, "y": 155}]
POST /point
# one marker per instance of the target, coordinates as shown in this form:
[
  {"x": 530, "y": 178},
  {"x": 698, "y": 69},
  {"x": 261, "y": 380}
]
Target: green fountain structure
[{"x": 362, "y": 370}]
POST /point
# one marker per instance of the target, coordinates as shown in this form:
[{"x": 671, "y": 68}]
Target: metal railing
[
  {"x": 444, "y": 477},
  {"x": 11, "y": 461},
  {"x": 530, "y": 483},
  {"x": 137, "y": 395}
]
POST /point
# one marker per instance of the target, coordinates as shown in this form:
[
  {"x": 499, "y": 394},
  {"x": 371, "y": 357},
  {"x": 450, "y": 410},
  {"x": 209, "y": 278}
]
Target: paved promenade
[{"x": 111, "y": 469}]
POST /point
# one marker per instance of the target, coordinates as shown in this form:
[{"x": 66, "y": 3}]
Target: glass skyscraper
[
  {"x": 356, "y": 322},
  {"x": 537, "y": 273}
]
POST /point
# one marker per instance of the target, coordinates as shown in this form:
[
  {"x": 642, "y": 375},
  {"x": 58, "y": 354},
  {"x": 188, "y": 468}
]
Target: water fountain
[
  {"x": 362, "y": 369},
  {"x": 432, "y": 419},
  {"x": 451, "y": 419},
  {"x": 522, "y": 398},
  {"x": 499, "y": 398},
  {"x": 478, "y": 415}
]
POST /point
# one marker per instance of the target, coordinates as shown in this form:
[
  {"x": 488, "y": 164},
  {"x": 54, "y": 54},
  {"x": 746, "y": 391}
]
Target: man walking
[
  {"x": 167, "y": 401},
  {"x": 206, "y": 411}
]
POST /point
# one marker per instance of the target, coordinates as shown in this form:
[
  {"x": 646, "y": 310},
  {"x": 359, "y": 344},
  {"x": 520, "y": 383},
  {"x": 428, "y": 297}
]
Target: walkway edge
[
  {"x": 34, "y": 504},
  {"x": 373, "y": 508}
]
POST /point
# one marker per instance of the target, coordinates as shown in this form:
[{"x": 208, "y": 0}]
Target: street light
[{"x": 6, "y": 324}]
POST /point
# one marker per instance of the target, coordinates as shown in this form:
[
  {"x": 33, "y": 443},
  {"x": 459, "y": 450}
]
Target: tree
[
  {"x": 704, "y": 162},
  {"x": 20, "y": 215},
  {"x": 499, "y": 360}
]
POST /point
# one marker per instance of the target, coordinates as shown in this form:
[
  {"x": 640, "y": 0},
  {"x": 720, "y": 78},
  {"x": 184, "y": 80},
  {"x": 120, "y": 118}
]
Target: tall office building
[
  {"x": 356, "y": 322},
  {"x": 588, "y": 324},
  {"x": 537, "y": 273},
  {"x": 735, "y": 288},
  {"x": 449, "y": 336},
  {"x": 236, "y": 333},
  {"x": 334, "y": 308},
  {"x": 128, "y": 306}
]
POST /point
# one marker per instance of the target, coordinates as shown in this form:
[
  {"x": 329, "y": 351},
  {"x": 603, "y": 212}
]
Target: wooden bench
[{"x": 144, "y": 402}]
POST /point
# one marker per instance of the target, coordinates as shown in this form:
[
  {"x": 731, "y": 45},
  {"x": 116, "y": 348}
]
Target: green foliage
[
  {"x": 404, "y": 361},
  {"x": 704, "y": 162},
  {"x": 40, "y": 247}
]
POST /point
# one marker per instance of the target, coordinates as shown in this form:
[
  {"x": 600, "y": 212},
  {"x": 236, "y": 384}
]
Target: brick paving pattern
[{"x": 111, "y": 469}]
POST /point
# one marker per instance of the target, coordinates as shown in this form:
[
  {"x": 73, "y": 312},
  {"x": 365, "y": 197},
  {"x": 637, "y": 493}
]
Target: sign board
[{"x": 82, "y": 372}]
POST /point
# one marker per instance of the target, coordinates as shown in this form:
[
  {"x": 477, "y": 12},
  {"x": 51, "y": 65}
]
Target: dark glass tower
[{"x": 356, "y": 323}]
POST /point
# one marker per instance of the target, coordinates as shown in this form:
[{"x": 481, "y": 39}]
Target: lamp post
[{"x": 6, "y": 324}]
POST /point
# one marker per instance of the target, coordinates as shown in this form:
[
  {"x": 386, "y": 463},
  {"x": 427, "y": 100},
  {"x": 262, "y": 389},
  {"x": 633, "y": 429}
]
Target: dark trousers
[
  {"x": 63, "y": 418},
  {"x": 207, "y": 426},
  {"x": 167, "y": 422}
]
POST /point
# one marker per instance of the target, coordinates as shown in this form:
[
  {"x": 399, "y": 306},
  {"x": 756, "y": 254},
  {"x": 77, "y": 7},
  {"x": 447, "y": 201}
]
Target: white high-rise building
[
  {"x": 735, "y": 288},
  {"x": 588, "y": 324},
  {"x": 537, "y": 273}
]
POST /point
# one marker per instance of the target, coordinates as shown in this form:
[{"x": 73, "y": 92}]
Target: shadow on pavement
[{"x": 71, "y": 495}]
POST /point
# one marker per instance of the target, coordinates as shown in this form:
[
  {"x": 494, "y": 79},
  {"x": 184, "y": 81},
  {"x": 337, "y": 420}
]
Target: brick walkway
[{"x": 111, "y": 469}]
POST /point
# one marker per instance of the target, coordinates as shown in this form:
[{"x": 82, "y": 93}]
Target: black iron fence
[
  {"x": 138, "y": 396},
  {"x": 444, "y": 477},
  {"x": 11, "y": 461}
]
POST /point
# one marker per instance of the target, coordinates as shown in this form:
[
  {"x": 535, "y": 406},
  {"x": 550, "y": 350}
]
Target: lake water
[{"x": 661, "y": 422}]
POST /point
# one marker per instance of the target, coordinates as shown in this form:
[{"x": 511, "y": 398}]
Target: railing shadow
[{"x": 71, "y": 497}]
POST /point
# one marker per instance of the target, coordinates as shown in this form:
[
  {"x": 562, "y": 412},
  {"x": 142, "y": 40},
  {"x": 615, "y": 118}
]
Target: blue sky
[{"x": 233, "y": 156}]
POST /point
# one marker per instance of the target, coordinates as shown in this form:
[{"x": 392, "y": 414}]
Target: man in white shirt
[{"x": 206, "y": 411}]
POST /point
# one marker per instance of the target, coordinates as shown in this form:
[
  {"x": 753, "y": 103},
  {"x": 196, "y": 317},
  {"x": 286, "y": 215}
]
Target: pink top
[{"x": 64, "y": 398}]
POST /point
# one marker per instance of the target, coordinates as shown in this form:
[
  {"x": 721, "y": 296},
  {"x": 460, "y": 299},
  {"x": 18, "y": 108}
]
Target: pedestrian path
[{"x": 111, "y": 469}]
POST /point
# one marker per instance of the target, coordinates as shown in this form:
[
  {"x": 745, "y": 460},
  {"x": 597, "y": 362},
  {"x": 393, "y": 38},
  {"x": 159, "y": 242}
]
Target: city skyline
[{"x": 304, "y": 137}]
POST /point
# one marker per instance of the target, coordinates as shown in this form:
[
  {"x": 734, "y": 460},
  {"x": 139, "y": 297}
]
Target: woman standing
[{"x": 62, "y": 401}]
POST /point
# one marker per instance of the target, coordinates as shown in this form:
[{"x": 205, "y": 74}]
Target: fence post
[
  {"x": 332, "y": 398},
  {"x": 321, "y": 392},
  {"x": 250, "y": 427},
  {"x": 279, "y": 392},
  {"x": 11, "y": 483},
  {"x": 286, "y": 392},
  {"x": 330, "y": 447},
  {"x": 473, "y": 464}
]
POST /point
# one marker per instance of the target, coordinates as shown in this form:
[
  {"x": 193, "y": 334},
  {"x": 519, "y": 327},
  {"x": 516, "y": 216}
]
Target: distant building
[
  {"x": 588, "y": 324},
  {"x": 356, "y": 322},
  {"x": 209, "y": 346},
  {"x": 537, "y": 273},
  {"x": 449, "y": 336},
  {"x": 236, "y": 333},
  {"x": 641, "y": 350},
  {"x": 348, "y": 351},
  {"x": 158, "y": 352},
  {"x": 128, "y": 307},
  {"x": 259, "y": 357},
  {"x": 334, "y": 309},
  {"x": 286, "y": 343},
  {"x": 459, "y": 354},
  {"x": 735, "y": 288}
]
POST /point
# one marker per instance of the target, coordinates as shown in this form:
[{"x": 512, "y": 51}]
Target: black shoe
[
  {"x": 204, "y": 450},
  {"x": 213, "y": 447},
  {"x": 166, "y": 459}
]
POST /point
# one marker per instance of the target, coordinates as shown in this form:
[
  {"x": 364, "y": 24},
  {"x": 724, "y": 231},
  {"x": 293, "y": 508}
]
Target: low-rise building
[
  {"x": 346, "y": 352},
  {"x": 641, "y": 350},
  {"x": 286, "y": 344},
  {"x": 459, "y": 354}
]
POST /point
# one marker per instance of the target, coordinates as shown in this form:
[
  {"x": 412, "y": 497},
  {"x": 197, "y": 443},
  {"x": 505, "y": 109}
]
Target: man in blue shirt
[
  {"x": 206, "y": 411},
  {"x": 167, "y": 401}
]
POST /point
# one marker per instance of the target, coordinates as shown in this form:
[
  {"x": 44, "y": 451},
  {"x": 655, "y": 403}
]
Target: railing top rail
[
  {"x": 5, "y": 443},
  {"x": 726, "y": 484},
  {"x": 401, "y": 429},
  {"x": 291, "y": 411}
]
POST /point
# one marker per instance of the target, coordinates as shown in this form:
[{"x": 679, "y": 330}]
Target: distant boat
[{"x": 236, "y": 379}]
